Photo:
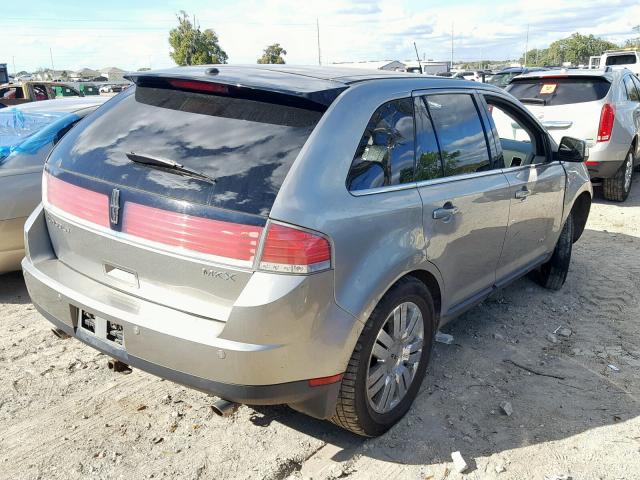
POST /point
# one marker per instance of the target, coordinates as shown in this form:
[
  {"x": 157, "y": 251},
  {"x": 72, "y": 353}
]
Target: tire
[
  {"x": 617, "y": 188},
  {"x": 553, "y": 273},
  {"x": 355, "y": 409}
]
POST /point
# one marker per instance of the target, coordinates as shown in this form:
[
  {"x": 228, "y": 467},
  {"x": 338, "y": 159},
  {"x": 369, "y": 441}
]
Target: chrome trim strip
[{"x": 385, "y": 189}]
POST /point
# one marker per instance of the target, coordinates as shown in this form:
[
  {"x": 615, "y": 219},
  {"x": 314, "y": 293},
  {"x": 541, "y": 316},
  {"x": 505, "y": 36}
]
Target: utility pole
[
  {"x": 526, "y": 47},
  {"x": 13, "y": 60},
  {"x": 318, "y": 35},
  {"x": 451, "y": 46},
  {"x": 51, "y": 55}
]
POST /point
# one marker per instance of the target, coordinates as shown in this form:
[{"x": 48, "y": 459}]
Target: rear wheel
[
  {"x": 617, "y": 188},
  {"x": 553, "y": 273},
  {"x": 389, "y": 361}
]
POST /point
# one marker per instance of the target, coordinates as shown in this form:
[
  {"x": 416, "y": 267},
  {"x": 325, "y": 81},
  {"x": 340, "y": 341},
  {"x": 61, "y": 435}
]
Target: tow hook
[{"x": 118, "y": 366}]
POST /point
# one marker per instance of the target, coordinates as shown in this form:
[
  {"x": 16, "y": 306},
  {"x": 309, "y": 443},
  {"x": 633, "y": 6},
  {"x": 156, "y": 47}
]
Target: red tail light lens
[
  {"x": 199, "y": 86},
  {"x": 77, "y": 201},
  {"x": 289, "y": 250},
  {"x": 213, "y": 237},
  {"x": 607, "y": 117}
]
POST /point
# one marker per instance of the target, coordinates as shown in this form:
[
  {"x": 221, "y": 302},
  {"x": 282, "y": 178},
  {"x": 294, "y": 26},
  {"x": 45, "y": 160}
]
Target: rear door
[
  {"x": 536, "y": 187},
  {"x": 465, "y": 198}
]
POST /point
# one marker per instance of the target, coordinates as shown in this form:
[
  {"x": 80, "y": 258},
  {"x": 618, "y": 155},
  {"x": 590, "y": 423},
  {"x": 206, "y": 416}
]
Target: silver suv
[
  {"x": 600, "y": 106},
  {"x": 296, "y": 235}
]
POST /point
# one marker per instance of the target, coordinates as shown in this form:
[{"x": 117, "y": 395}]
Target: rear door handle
[
  {"x": 445, "y": 213},
  {"x": 523, "y": 193}
]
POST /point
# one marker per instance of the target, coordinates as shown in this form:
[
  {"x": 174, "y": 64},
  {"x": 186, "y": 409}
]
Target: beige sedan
[{"x": 27, "y": 135}]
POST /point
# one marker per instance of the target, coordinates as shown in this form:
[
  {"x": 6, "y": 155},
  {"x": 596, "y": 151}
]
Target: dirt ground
[{"x": 64, "y": 415}]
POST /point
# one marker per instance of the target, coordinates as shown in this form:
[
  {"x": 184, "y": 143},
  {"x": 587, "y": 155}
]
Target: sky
[{"x": 131, "y": 34}]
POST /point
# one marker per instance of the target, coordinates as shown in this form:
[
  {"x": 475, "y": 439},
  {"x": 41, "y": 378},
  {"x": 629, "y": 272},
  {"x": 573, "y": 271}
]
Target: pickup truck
[{"x": 23, "y": 92}]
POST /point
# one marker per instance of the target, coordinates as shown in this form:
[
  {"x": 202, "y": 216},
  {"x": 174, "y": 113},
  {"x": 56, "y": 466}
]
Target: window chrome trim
[
  {"x": 385, "y": 189},
  {"x": 456, "y": 178}
]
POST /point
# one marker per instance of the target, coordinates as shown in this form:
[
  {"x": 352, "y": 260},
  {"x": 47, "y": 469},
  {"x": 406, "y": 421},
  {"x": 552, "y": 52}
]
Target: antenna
[
  {"x": 418, "y": 57},
  {"x": 451, "y": 66},
  {"x": 318, "y": 34}
]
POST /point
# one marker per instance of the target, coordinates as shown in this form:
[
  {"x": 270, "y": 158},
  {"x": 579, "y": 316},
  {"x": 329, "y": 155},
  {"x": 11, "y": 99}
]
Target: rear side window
[
  {"x": 632, "y": 91},
  {"x": 463, "y": 145},
  {"x": 247, "y": 144},
  {"x": 559, "y": 91},
  {"x": 385, "y": 153},
  {"x": 621, "y": 59}
]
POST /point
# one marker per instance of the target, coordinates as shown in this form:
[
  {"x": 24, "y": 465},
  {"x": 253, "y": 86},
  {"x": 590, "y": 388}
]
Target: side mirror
[{"x": 572, "y": 150}]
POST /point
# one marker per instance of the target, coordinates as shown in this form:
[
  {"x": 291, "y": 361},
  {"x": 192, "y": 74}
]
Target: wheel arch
[{"x": 580, "y": 213}]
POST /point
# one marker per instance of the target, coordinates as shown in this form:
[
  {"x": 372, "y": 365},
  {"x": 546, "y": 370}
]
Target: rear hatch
[
  {"x": 184, "y": 237},
  {"x": 566, "y": 105}
]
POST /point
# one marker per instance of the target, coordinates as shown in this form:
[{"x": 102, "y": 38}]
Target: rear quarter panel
[{"x": 376, "y": 238}]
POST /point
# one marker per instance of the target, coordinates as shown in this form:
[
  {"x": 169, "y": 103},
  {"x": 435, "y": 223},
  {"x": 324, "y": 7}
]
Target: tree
[
  {"x": 575, "y": 49},
  {"x": 192, "y": 46},
  {"x": 273, "y": 54},
  {"x": 64, "y": 76}
]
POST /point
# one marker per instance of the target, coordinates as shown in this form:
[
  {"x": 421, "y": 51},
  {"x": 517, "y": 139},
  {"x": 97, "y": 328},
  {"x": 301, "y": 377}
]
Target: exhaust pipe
[
  {"x": 224, "y": 408},
  {"x": 60, "y": 333}
]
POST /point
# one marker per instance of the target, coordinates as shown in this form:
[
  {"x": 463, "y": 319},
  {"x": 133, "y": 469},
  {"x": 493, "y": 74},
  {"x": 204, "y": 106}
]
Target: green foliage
[
  {"x": 192, "y": 46},
  {"x": 575, "y": 49},
  {"x": 273, "y": 55}
]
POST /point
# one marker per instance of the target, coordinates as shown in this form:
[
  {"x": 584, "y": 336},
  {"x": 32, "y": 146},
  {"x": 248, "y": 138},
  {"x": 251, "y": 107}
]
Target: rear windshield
[
  {"x": 559, "y": 91},
  {"x": 16, "y": 126},
  {"x": 246, "y": 145},
  {"x": 502, "y": 79},
  {"x": 621, "y": 59}
]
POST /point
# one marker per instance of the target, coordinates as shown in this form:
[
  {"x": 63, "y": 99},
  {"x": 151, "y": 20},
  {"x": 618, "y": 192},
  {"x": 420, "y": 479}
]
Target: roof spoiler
[{"x": 313, "y": 100}]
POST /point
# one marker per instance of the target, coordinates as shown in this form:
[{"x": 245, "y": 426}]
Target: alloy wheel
[
  {"x": 628, "y": 172},
  {"x": 395, "y": 357}
]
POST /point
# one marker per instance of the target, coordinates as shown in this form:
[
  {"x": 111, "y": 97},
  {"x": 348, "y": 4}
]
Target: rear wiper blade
[
  {"x": 541, "y": 101},
  {"x": 169, "y": 164}
]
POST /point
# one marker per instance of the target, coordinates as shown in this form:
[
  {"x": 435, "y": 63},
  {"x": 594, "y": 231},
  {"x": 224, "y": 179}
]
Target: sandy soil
[{"x": 64, "y": 415}]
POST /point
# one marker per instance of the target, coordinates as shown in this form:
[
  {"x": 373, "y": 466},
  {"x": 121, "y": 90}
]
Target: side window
[
  {"x": 632, "y": 92},
  {"x": 517, "y": 139},
  {"x": 463, "y": 145},
  {"x": 385, "y": 154},
  {"x": 428, "y": 161},
  {"x": 636, "y": 82}
]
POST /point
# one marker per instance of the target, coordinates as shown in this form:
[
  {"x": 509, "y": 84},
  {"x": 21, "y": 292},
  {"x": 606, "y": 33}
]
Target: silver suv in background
[
  {"x": 296, "y": 235},
  {"x": 599, "y": 106}
]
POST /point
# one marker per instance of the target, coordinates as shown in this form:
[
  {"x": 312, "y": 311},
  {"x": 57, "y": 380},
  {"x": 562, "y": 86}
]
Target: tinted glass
[
  {"x": 559, "y": 91},
  {"x": 621, "y": 59},
  {"x": 502, "y": 79},
  {"x": 516, "y": 141},
  {"x": 462, "y": 140},
  {"x": 428, "y": 162},
  {"x": 385, "y": 153},
  {"x": 247, "y": 145},
  {"x": 636, "y": 82},
  {"x": 632, "y": 91}
]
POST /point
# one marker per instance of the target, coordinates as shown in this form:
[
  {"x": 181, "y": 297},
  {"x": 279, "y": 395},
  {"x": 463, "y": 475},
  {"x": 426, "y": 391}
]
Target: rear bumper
[
  {"x": 259, "y": 374},
  {"x": 606, "y": 159}
]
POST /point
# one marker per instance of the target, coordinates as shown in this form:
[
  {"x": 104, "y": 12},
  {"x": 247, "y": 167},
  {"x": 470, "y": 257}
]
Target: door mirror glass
[{"x": 572, "y": 150}]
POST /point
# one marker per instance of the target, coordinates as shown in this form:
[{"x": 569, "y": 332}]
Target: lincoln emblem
[{"x": 114, "y": 206}]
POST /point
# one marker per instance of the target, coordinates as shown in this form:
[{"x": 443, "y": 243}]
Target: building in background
[{"x": 392, "y": 65}]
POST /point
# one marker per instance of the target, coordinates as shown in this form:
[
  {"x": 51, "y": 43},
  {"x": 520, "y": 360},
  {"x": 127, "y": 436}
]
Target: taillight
[
  {"x": 77, "y": 201},
  {"x": 607, "y": 117},
  {"x": 290, "y": 250},
  {"x": 204, "y": 235},
  {"x": 197, "y": 86}
]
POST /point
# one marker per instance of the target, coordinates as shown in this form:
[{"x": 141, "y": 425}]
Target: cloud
[{"x": 350, "y": 30}]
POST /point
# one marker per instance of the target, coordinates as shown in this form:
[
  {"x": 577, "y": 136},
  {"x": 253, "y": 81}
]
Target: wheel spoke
[
  {"x": 390, "y": 395},
  {"x": 380, "y": 352},
  {"x": 376, "y": 381},
  {"x": 414, "y": 346},
  {"x": 397, "y": 313},
  {"x": 403, "y": 319},
  {"x": 385, "y": 339},
  {"x": 413, "y": 323},
  {"x": 384, "y": 395},
  {"x": 403, "y": 379}
]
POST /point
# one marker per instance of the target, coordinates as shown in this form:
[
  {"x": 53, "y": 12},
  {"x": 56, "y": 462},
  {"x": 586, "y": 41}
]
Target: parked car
[
  {"x": 88, "y": 89},
  {"x": 617, "y": 59},
  {"x": 27, "y": 134},
  {"x": 24, "y": 92},
  {"x": 599, "y": 106},
  {"x": 110, "y": 88},
  {"x": 503, "y": 77},
  {"x": 296, "y": 235}
]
